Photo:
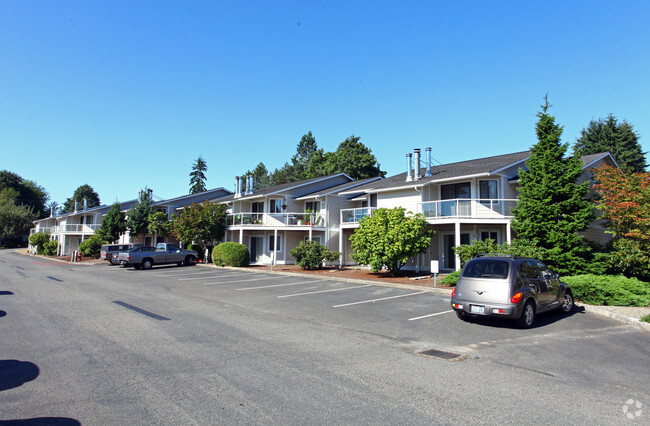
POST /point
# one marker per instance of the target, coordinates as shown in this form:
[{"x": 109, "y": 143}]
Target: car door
[
  {"x": 174, "y": 254},
  {"x": 535, "y": 280},
  {"x": 551, "y": 283}
]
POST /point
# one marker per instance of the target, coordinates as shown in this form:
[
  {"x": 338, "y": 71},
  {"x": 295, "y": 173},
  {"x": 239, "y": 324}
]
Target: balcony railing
[
  {"x": 352, "y": 216},
  {"x": 467, "y": 208},
  {"x": 42, "y": 229},
  {"x": 275, "y": 219}
]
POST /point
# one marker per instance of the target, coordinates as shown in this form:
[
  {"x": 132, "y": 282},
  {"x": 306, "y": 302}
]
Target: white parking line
[
  {"x": 376, "y": 300},
  {"x": 324, "y": 291},
  {"x": 214, "y": 276},
  {"x": 276, "y": 285},
  {"x": 241, "y": 281},
  {"x": 430, "y": 315}
]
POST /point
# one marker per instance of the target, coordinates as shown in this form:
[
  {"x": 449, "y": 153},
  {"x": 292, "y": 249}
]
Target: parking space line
[
  {"x": 377, "y": 300},
  {"x": 277, "y": 285},
  {"x": 431, "y": 315},
  {"x": 214, "y": 276},
  {"x": 241, "y": 281},
  {"x": 324, "y": 291}
]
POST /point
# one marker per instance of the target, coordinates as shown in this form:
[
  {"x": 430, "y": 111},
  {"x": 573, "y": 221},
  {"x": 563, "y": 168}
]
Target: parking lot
[{"x": 200, "y": 344}]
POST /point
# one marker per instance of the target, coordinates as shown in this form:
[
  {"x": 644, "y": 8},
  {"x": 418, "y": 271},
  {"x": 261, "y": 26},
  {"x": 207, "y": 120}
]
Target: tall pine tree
[
  {"x": 619, "y": 139},
  {"x": 197, "y": 176},
  {"x": 552, "y": 208},
  {"x": 113, "y": 224}
]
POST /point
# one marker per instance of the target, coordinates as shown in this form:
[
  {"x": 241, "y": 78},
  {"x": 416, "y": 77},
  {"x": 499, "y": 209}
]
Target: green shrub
[
  {"x": 311, "y": 255},
  {"x": 92, "y": 246},
  {"x": 646, "y": 318},
  {"x": 451, "y": 279},
  {"x": 49, "y": 248},
  {"x": 231, "y": 254},
  {"x": 609, "y": 290},
  {"x": 38, "y": 240}
]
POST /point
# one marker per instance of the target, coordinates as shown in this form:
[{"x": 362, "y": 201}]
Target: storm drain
[{"x": 448, "y": 356}]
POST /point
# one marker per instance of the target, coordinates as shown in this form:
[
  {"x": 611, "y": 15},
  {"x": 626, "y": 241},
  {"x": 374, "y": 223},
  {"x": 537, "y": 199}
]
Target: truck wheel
[
  {"x": 147, "y": 264},
  {"x": 189, "y": 261}
]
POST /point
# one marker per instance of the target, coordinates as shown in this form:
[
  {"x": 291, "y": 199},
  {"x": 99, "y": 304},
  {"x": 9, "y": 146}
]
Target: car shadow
[
  {"x": 14, "y": 373},
  {"x": 541, "y": 320},
  {"x": 2, "y": 313},
  {"x": 58, "y": 421}
]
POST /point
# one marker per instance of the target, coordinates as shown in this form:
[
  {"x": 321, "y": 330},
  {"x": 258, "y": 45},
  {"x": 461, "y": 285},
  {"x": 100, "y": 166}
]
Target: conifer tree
[
  {"x": 197, "y": 176},
  {"x": 113, "y": 223},
  {"x": 552, "y": 208}
]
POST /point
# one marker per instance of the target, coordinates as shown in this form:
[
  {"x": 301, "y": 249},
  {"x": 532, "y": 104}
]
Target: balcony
[
  {"x": 275, "y": 220},
  {"x": 464, "y": 208},
  {"x": 42, "y": 229},
  {"x": 75, "y": 229},
  {"x": 353, "y": 216}
]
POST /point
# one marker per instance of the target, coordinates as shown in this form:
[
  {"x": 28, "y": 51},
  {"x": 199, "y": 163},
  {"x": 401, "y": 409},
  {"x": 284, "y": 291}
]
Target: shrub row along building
[{"x": 464, "y": 201}]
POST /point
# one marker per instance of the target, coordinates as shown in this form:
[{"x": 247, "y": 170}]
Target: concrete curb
[
  {"x": 622, "y": 318},
  {"x": 100, "y": 262}
]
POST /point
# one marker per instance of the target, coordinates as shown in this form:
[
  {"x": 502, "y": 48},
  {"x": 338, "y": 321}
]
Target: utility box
[{"x": 435, "y": 266}]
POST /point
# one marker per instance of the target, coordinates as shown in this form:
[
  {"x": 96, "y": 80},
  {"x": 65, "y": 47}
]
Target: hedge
[
  {"x": 230, "y": 254},
  {"x": 609, "y": 290}
]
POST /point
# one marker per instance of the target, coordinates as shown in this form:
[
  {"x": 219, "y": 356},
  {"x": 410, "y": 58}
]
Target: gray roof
[
  {"x": 350, "y": 186},
  {"x": 486, "y": 165},
  {"x": 284, "y": 187}
]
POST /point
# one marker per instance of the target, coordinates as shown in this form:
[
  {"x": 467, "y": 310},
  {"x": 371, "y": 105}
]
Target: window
[
  {"x": 317, "y": 239},
  {"x": 455, "y": 190},
  {"x": 271, "y": 241},
  {"x": 492, "y": 235},
  {"x": 313, "y": 206},
  {"x": 257, "y": 207},
  {"x": 275, "y": 206},
  {"x": 488, "y": 189}
]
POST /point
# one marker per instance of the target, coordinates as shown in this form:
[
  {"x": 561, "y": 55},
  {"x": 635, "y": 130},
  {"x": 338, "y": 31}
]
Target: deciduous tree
[
  {"x": 84, "y": 192},
  {"x": 138, "y": 214},
  {"x": 160, "y": 224},
  {"x": 389, "y": 238},
  {"x": 204, "y": 224}
]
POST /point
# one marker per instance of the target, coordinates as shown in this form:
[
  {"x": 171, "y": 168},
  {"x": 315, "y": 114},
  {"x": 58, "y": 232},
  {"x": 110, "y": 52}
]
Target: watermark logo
[{"x": 632, "y": 409}]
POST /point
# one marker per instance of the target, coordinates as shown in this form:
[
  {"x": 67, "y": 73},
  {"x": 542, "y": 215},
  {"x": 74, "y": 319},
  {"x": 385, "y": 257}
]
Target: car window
[
  {"x": 544, "y": 269},
  {"x": 531, "y": 270},
  {"x": 486, "y": 268},
  {"x": 172, "y": 247}
]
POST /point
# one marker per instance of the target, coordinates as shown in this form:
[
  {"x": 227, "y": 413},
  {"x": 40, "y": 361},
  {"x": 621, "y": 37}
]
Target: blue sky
[{"x": 126, "y": 94}]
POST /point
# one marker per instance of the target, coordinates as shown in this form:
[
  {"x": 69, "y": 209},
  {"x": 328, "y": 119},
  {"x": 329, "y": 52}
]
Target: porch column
[
  {"x": 340, "y": 247},
  {"x": 310, "y": 233},
  {"x": 286, "y": 248},
  {"x": 275, "y": 246},
  {"x": 508, "y": 233},
  {"x": 241, "y": 236},
  {"x": 457, "y": 243}
]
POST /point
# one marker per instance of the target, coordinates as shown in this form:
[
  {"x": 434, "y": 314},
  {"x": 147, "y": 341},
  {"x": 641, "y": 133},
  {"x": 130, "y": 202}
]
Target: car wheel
[
  {"x": 462, "y": 315},
  {"x": 147, "y": 264},
  {"x": 527, "y": 317},
  {"x": 567, "y": 304},
  {"x": 189, "y": 260}
]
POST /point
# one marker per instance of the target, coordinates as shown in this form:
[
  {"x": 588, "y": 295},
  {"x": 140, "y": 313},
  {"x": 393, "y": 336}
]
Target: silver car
[{"x": 510, "y": 287}]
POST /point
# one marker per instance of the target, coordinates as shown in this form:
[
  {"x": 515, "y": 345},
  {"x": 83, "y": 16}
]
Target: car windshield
[{"x": 486, "y": 268}]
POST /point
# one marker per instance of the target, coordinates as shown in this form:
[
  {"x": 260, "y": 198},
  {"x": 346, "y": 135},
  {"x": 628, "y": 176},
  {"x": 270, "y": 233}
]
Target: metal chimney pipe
[
  {"x": 75, "y": 205},
  {"x": 416, "y": 173},
  {"x": 248, "y": 185},
  {"x": 409, "y": 177},
  {"x": 85, "y": 204},
  {"x": 252, "y": 183},
  {"x": 429, "y": 172},
  {"x": 237, "y": 178}
]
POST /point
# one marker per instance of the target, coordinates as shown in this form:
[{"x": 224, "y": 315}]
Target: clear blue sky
[{"x": 123, "y": 94}]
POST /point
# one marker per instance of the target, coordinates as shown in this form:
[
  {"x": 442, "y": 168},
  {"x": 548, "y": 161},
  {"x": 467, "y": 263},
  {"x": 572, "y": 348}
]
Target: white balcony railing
[
  {"x": 275, "y": 219},
  {"x": 352, "y": 216},
  {"x": 75, "y": 229},
  {"x": 42, "y": 229},
  {"x": 468, "y": 208}
]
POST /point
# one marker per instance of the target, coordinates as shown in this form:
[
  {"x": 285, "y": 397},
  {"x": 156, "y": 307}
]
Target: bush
[
  {"x": 38, "y": 240},
  {"x": 451, "y": 279},
  {"x": 92, "y": 246},
  {"x": 609, "y": 290},
  {"x": 231, "y": 254},
  {"x": 49, "y": 248},
  {"x": 311, "y": 255}
]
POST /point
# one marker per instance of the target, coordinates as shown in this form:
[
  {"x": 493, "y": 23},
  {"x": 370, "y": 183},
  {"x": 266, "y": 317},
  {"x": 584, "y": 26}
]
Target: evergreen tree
[
  {"x": 197, "y": 176},
  {"x": 304, "y": 152},
  {"x": 113, "y": 224},
  {"x": 28, "y": 193},
  {"x": 138, "y": 215},
  {"x": 355, "y": 159},
  {"x": 552, "y": 208},
  {"x": 619, "y": 139},
  {"x": 84, "y": 192}
]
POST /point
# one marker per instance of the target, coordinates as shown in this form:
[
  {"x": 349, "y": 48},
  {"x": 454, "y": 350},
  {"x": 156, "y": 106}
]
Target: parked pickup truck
[{"x": 163, "y": 253}]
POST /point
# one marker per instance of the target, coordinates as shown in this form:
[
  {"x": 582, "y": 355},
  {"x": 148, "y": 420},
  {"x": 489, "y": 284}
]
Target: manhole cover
[{"x": 435, "y": 353}]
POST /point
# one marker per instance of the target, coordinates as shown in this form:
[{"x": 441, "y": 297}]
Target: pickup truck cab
[{"x": 164, "y": 253}]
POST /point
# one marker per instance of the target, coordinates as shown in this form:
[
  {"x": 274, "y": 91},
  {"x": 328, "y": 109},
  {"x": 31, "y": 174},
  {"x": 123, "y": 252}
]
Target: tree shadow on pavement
[{"x": 14, "y": 373}]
